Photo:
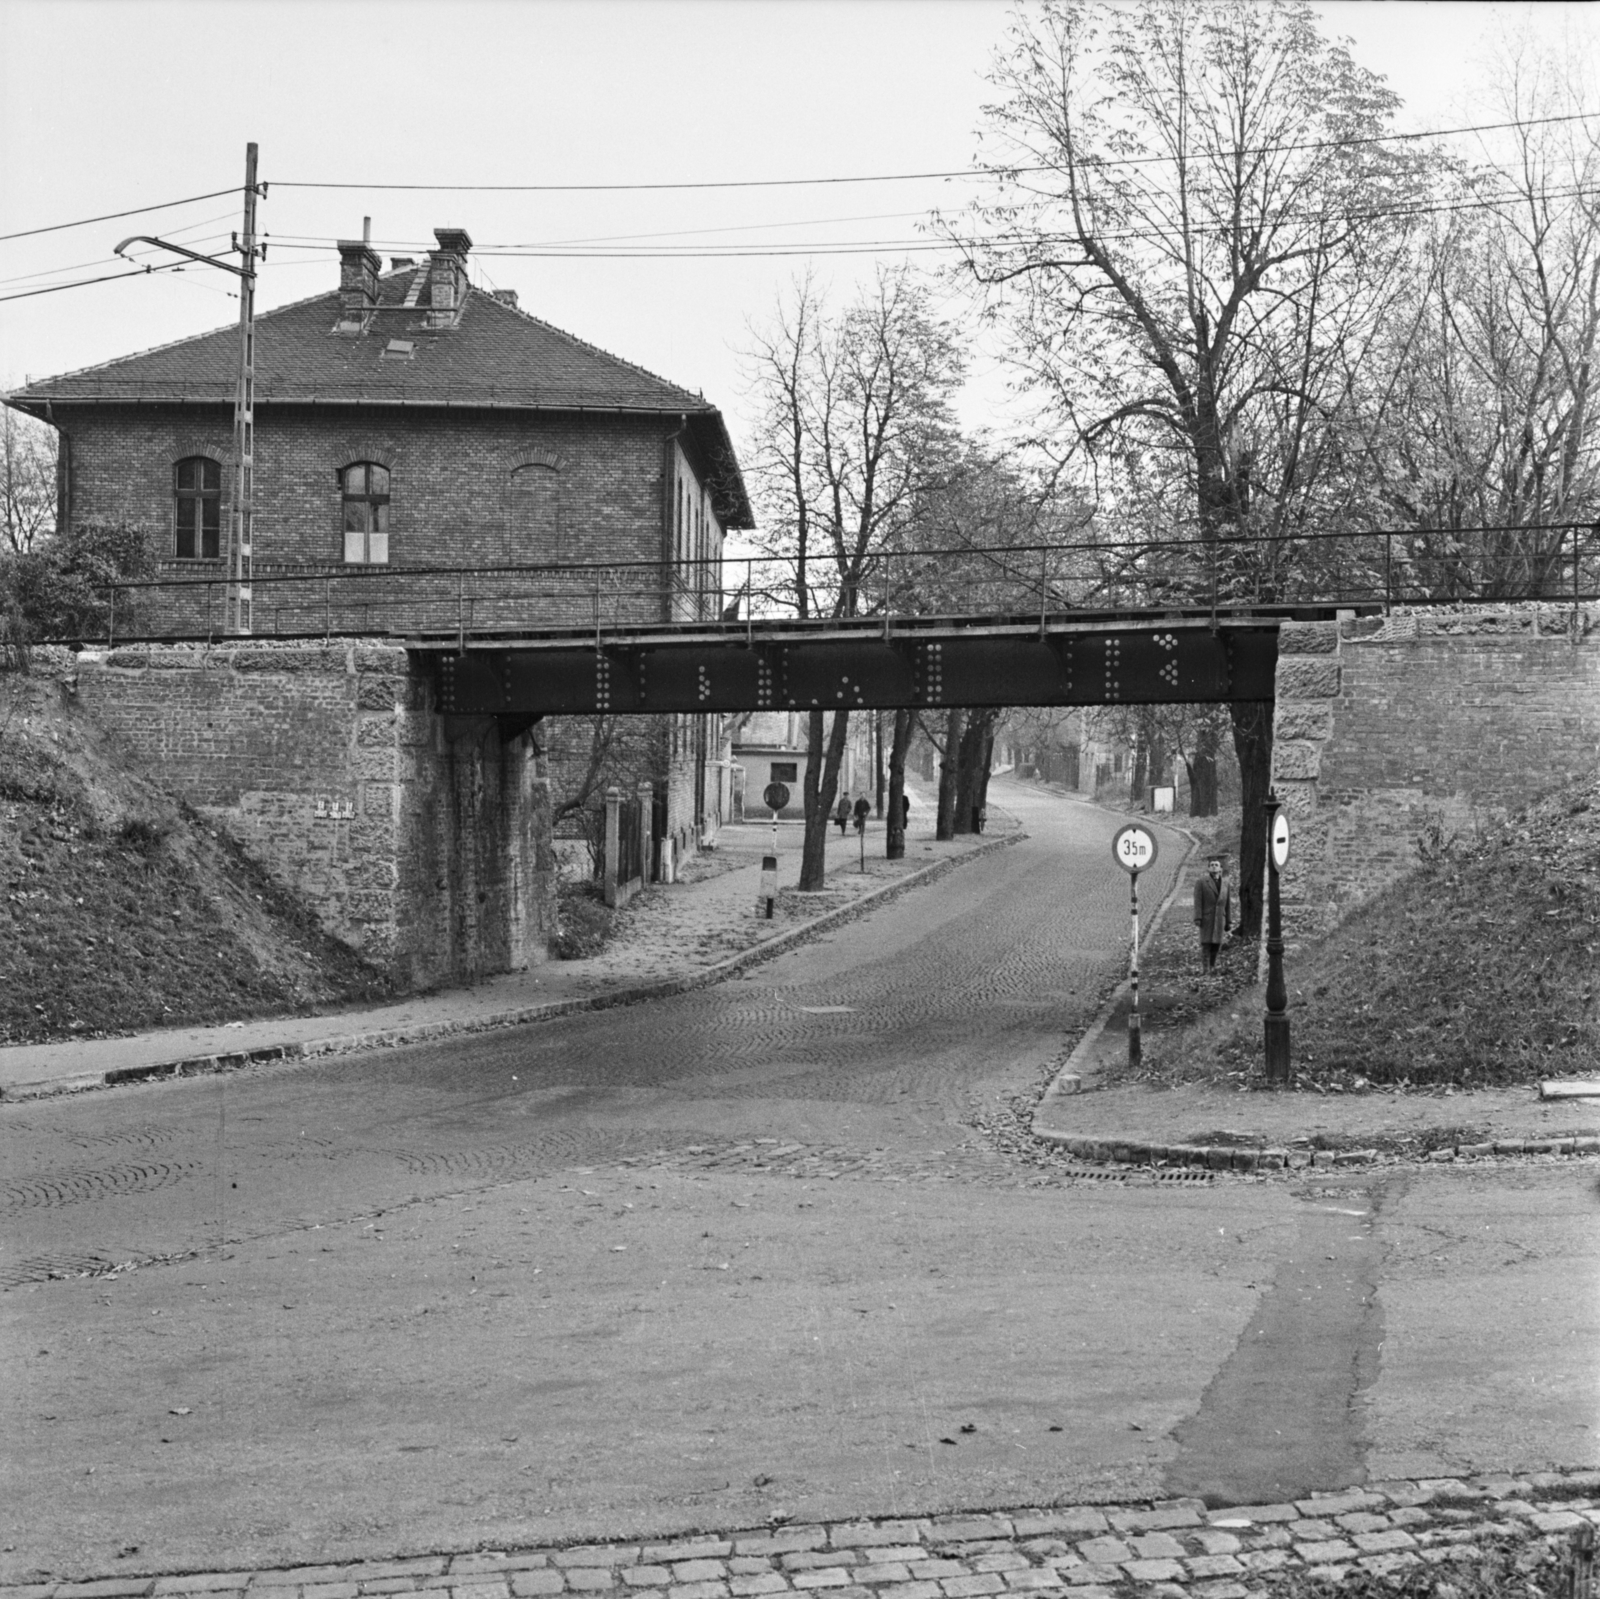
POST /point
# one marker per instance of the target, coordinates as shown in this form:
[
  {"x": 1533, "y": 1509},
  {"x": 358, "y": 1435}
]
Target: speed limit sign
[
  {"x": 1280, "y": 839},
  {"x": 1134, "y": 848}
]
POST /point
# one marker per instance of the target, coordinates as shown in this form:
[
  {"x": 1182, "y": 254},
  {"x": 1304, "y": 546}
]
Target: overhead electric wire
[
  {"x": 83, "y": 283},
  {"x": 903, "y": 177},
  {"x": 111, "y": 216},
  {"x": 101, "y": 260}
]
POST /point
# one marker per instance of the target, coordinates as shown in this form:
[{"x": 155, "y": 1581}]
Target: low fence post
[
  {"x": 646, "y": 796},
  {"x": 613, "y": 844}
]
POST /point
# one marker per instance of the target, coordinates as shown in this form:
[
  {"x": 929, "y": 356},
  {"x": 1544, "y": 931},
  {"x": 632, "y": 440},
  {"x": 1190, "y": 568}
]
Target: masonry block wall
[
  {"x": 1390, "y": 730},
  {"x": 453, "y": 502},
  {"x": 422, "y": 840}
]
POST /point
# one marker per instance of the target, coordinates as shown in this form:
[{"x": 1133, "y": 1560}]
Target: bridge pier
[{"x": 420, "y": 838}]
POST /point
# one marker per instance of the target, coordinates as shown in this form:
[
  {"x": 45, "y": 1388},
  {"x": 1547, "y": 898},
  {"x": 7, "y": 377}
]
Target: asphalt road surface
[{"x": 747, "y": 1252}]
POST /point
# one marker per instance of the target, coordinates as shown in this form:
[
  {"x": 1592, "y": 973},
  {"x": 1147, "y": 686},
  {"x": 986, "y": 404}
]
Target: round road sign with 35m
[{"x": 1134, "y": 848}]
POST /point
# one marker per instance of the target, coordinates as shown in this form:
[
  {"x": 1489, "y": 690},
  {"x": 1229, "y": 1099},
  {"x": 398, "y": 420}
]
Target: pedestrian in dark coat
[
  {"x": 842, "y": 814},
  {"x": 1213, "y": 912}
]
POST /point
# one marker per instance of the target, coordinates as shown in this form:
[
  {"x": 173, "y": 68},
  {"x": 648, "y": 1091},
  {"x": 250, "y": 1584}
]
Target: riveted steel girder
[{"x": 1177, "y": 662}]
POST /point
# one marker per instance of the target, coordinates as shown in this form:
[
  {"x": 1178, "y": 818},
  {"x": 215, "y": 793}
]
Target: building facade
[{"x": 428, "y": 457}]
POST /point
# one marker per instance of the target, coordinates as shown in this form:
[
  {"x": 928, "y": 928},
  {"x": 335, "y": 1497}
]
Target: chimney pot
[
  {"x": 447, "y": 272},
  {"x": 358, "y": 280}
]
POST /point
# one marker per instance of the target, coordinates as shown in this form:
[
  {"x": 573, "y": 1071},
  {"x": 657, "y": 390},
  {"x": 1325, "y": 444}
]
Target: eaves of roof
[{"x": 490, "y": 356}]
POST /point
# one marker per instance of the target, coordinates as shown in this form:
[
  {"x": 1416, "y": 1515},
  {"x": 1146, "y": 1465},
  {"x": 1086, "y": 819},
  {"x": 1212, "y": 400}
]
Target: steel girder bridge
[{"x": 1087, "y": 658}]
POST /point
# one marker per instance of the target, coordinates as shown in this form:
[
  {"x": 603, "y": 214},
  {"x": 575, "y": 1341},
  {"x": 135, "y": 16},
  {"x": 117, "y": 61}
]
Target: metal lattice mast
[{"x": 240, "y": 548}]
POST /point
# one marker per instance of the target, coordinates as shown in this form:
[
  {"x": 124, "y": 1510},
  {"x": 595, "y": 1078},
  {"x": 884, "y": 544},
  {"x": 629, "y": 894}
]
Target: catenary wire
[
  {"x": 907, "y": 177},
  {"x": 111, "y": 216}
]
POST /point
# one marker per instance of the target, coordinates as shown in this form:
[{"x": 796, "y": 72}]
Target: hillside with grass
[
  {"x": 1479, "y": 968},
  {"x": 123, "y": 909}
]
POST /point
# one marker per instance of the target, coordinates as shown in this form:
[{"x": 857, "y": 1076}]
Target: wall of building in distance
[
  {"x": 1400, "y": 731},
  {"x": 420, "y": 839}
]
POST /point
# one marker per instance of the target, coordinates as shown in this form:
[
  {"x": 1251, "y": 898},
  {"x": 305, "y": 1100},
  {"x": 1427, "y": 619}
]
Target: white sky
[{"x": 109, "y": 104}]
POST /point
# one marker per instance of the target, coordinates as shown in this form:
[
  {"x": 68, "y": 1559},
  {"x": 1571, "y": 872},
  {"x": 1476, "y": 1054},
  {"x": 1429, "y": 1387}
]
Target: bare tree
[
  {"x": 1194, "y": 220},
  {"x": 1487, "y": 436},
  {"x": 854, "y": 423},
  {"x": 27, "y": 480}
]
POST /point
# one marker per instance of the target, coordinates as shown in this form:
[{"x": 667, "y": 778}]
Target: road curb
[
  {"x": 1112, "y": 1150},
  {"x": 425, "y": 1032}
]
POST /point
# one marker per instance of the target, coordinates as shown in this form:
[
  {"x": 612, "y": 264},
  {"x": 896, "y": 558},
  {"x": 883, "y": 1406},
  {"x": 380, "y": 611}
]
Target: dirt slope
[
  {"x": 1479, "y": 968},
  {"x": 124, "y": 910}
]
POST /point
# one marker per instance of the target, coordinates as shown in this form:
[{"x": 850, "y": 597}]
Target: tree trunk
[
  {"x": 897, "y": 784},
  {"x": 972, "y": 760},
  {"x": 877, "y": 757},
  {"x": 1202, "y": 766},
  {"x": 1252, "y": 743},
  {"x": 824, "y": 756},
  {"x": 986, "y": 761},
  {"x": 948, "y": 758}
]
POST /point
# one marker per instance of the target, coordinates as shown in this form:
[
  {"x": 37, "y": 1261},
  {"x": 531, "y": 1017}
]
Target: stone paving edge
[
  {"x": 424, "y": 1032},
  {"x": 1057, "y": 1548}
]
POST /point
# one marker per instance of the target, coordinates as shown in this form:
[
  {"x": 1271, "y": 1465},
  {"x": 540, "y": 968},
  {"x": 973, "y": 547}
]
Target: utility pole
[
  {"x": 241, "y": 552},
  {"x": 239, "y": 555}
]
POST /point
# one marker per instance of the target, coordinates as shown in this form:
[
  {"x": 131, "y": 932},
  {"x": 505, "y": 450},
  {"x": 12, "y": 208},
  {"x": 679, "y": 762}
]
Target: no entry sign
[
  {"x": 1134, "y": 848},
  {"x": 1280, "y": 839}
]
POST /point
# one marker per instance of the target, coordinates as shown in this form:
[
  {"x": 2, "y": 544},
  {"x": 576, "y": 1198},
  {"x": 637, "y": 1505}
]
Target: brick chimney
[
  {"x": 358, "y": 282},
  {"x": 447, "y": 274},
  {"x": 505, "y": 297}
]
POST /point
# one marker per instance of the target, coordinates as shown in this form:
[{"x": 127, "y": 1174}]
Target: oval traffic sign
[
  {"x": 1280, "y": 839},
  {"x": 775, "y": 796},
  {"x": 1134, "y": 848}
]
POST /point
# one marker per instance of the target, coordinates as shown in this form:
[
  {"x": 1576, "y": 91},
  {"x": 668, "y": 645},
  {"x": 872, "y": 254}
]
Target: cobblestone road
[{"x": 872, "y": 1050}]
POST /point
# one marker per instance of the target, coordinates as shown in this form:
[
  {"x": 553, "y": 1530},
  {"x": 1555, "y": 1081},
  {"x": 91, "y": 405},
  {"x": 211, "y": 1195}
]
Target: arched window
[
  {"x": 197, "y": 487},
  {"x": 365, "y": 490},
  {"x": 534, "y": 514}
]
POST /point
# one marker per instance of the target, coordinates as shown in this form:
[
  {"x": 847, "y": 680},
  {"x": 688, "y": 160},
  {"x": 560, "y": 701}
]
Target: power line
[
  {"x": 111, "y": 216},
  {"x": 904, "y": 177},
  {"x": 101, "y": 260},
  {"x": 83, "y": 283}
]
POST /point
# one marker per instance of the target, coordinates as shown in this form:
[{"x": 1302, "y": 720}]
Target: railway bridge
[{"x": 390, "y": 779}]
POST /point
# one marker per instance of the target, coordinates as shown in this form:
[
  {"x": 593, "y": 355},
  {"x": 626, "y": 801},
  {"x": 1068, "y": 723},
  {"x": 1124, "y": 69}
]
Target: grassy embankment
[
  {"x": 1479, "y": 968},
  {"x": 121, "y": 909}
]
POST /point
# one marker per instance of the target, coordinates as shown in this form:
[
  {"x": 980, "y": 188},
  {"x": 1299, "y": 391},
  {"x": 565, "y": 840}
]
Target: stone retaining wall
[
  {"x": 421, "y": 839},
  {"x": 1394, "y": 733}
]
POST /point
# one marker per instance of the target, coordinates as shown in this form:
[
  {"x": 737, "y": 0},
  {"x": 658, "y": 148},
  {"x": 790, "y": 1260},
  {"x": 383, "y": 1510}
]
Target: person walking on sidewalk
[
  {"x": 842, "y": 813},
  {"x": 1213, "y": 912}
]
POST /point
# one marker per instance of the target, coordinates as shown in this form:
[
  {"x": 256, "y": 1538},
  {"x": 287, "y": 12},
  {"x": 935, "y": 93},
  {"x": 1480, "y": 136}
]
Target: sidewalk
[
  {"x": 1243, "y": 1129},
  {"x": 669, "y": 939}
]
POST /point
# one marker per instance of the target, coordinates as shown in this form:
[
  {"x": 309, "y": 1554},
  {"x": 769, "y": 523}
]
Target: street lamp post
[{"x": 1276, "y": 1022}]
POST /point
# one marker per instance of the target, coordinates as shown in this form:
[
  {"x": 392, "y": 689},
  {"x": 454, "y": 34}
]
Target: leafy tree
[
  {"x": 64, "y": 586},
  {"x": 853, "y": 428},
  {"x": 1194, "y": 229}
]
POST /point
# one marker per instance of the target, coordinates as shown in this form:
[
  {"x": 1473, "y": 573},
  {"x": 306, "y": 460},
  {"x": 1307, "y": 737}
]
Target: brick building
[{"x": 415, "y": 438}]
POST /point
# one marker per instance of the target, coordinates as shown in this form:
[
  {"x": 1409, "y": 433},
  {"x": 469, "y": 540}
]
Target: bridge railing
[{"x": 1385, "y": 568}]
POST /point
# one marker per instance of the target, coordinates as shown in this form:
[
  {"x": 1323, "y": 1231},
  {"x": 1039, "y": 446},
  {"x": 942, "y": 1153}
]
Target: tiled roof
[{"x": 490, "y": 355}]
